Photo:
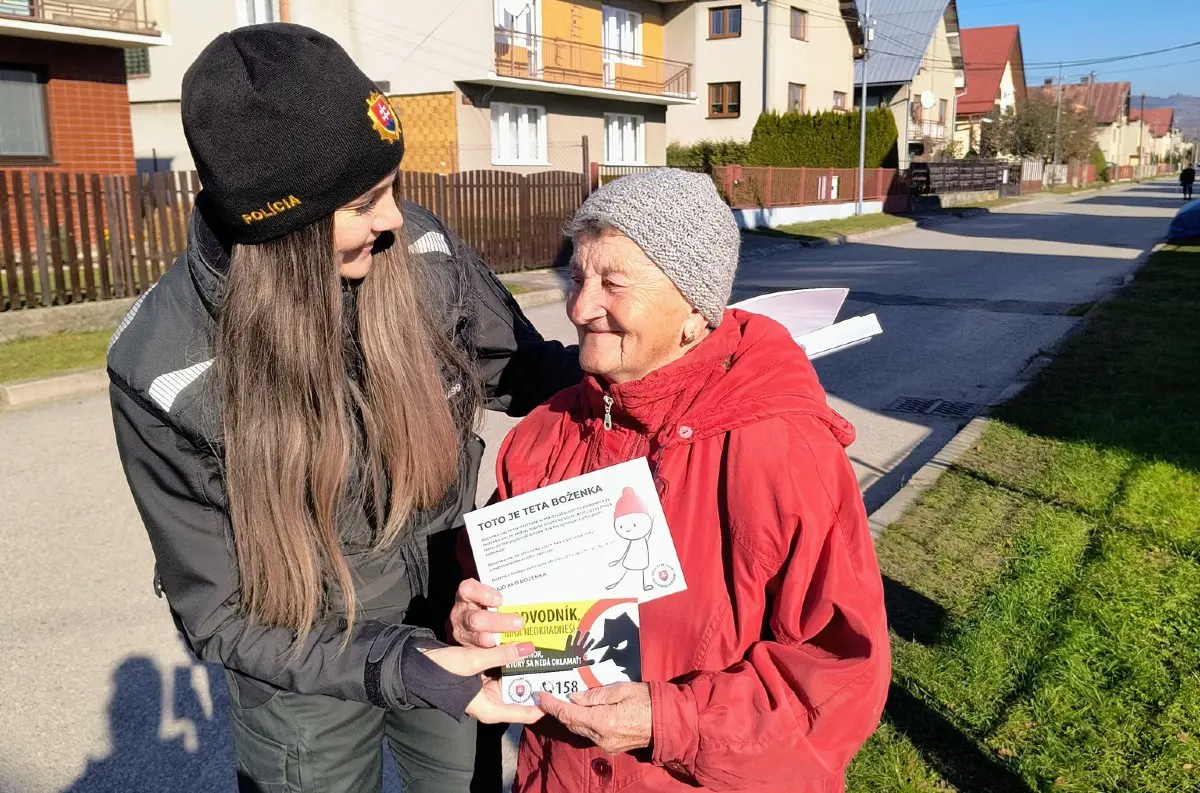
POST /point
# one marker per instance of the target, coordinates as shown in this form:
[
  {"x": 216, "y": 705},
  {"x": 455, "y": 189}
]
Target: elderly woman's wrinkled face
[{"x": 630, "y": 316}]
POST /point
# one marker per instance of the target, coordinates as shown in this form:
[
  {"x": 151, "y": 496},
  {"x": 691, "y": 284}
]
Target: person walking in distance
[
  {"x": 1187, "y": 177},
  {"x": 294, "y": 404}
]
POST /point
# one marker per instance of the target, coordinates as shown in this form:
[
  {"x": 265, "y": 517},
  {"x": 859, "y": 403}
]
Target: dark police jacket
[{"x": 168, "y": 427}]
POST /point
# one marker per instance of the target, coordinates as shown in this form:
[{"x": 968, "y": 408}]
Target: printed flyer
[
  {"x": 577, "y": 646},
  {"x": 597, "y": 536}
]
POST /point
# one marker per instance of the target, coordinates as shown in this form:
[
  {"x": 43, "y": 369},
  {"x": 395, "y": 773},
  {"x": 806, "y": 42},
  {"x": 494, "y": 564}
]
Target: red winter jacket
[{"x": 771, "y": 670}]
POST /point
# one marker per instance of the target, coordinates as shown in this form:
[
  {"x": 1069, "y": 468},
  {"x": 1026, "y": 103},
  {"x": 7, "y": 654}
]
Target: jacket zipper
[{"x": 608, "y": 403}]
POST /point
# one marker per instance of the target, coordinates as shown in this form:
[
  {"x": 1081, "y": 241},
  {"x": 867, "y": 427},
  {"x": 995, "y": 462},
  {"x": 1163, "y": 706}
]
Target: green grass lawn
[
  {"x": 29, "y": 359},
  {"x": 518, "y": 289},
  {"x": 830, "y": 229},
  {"x": 1044, "y": 596}
]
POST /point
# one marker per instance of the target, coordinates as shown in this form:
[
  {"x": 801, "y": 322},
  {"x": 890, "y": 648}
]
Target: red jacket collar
[{"x": 748, "y": 369}]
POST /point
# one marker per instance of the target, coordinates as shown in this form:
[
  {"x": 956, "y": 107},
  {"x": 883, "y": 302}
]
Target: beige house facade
[
  {"x": 752, "y": 57},
  {"x": 917, "y": 72},
  {"x": 995, "y": 74},
  {"x": 522, "y": 85}
]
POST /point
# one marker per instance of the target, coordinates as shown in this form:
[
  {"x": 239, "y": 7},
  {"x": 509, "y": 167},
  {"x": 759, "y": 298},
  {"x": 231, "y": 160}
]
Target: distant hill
[{"x": 1187, "y": 110}]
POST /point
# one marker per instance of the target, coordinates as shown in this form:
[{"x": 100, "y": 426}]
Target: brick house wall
[{"x": 87, "y": 105}]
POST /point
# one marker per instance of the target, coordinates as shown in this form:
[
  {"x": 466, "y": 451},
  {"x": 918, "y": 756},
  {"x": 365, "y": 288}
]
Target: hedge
[
  {"x": 823, "y": 140},
  {"x": 705, "y": 154},
  {"x": 1101, "y": 164}
]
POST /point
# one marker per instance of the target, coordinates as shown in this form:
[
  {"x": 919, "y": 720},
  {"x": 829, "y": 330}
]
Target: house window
[
  {"x": 916, "y": 111},
  {"x": 839, "y": 100},
  {"x": 799, "y": 24},
  {"x": 255, "y": 12},
  {"x": 943, "y": 107},
  {"x": 622, "y": 36},
  {"x": 518, "y": 134},
  {"x": 725, "y": 23},
  {"x": 624, "y": 139},
  {"x": 137, "y": 62},
  {"x": 23, "y": 127},
  {"x": 724, "y": 100},
  {"x": 795, "y": 98}
]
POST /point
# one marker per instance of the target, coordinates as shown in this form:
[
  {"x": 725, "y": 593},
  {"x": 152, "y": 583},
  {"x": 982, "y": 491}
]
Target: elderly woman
[{"x": 771, "y": 670}]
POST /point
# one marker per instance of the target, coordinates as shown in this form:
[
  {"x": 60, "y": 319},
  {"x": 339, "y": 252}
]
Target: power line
[{"x": 1083, "y": 62}]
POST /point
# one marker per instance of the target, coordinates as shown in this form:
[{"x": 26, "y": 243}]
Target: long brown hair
[{"x": 297, "y": 420}]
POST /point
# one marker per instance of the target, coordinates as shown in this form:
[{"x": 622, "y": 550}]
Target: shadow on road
[
  {"x": 141, "y": 760},
  {"x": 1127, "y": 232},
  {"x": 1154, "y": 200}
]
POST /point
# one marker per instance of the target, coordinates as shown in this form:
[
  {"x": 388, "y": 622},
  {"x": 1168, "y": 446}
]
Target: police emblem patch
[{"x": 383, "y": 117}]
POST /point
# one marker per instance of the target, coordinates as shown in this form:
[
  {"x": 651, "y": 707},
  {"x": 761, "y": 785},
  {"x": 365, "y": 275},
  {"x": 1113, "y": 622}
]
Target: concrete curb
[
  {"x": 841, "y": 239},
  {"x": 540, "y": 297},
  {"x": 968, "y": 436},
  {"x": 926, "y": 477},
  {"x": 63, "y": 386},
  {"x": 77, "y": 318}
]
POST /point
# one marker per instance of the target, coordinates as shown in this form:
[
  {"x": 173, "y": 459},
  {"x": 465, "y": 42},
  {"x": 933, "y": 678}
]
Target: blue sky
[{"x": 1053, "y": 30}]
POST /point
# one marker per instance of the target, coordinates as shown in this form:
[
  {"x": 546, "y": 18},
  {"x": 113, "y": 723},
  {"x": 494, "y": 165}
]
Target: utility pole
[
  {"x": 766, "y": 78},
  {"x": 865, "y": 23},
  {"x": 1058, "y": 114},
  {"x": 1141, "y": 130}
]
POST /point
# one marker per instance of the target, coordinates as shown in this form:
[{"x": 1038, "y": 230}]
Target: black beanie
[{"x": 284, "y": 129}]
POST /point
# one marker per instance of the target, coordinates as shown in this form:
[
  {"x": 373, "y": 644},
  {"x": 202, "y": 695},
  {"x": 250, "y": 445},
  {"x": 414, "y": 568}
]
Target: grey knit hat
[{"x": 681, "y": 223}]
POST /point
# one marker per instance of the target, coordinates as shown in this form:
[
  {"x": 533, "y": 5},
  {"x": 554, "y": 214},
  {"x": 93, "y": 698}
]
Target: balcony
[
  {"x": 571, "y": 67},
  {"x": 113, "y": 23},
  {"x": 921, "y": 130}
]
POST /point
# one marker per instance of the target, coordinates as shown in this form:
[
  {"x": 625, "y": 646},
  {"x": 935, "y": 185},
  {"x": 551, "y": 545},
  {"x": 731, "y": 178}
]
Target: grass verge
[
  {"x": 831, "y": 229},
  {"x": 1044, "y": 596},
  {"x": 30, "y": 359}
]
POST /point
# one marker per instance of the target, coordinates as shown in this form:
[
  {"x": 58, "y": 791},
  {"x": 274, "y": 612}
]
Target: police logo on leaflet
[
  {"x": 521, "y": 690},
  {"x": 383, "y": 117}
]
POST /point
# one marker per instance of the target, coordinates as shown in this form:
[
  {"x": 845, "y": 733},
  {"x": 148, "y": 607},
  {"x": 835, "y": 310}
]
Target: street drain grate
[
  {"x": 934, "y": 407},
  {"x": 912, "y": 405}
]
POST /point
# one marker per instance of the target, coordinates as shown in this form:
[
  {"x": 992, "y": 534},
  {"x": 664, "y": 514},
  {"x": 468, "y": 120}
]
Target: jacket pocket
[
  {"x": 246, "y": 693},
  {"x": 262, "y": 763}
]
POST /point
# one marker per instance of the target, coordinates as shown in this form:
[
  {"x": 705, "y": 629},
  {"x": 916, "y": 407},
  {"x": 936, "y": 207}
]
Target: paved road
[{"x": 95, "y": 691}]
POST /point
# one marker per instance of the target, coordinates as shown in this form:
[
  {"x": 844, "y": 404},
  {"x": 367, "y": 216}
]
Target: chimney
[{"x": 1049, "y": 81}]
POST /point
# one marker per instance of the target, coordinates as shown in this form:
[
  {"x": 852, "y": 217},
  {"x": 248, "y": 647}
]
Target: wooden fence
[
  {"x": 753, "y": 188},
  {"x": 71, "y": 237},
  {"x": 514, "y": 222},
  {"x": 955, "y": 176},
  {"x": 66, "y": 238},
  {"x": 603, "y": 174}
]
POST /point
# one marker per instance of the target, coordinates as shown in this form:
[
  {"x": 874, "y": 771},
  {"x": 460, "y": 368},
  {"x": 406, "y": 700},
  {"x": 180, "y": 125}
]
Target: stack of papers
[{"x": 810, "y": 315}]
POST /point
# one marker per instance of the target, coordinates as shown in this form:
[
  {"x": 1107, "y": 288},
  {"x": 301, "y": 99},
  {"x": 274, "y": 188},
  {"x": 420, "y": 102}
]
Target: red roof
[
  {"x": 1160, "y": 120},
  {"x": 986, "y": 51},
  {"x": 1106, "y": 100}
]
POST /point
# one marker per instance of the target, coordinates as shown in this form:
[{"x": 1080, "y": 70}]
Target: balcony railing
[
  {"x": 920, "y": 130},
  {"x": 533, "y": 57},
  {"x": 130, "y": 16}
]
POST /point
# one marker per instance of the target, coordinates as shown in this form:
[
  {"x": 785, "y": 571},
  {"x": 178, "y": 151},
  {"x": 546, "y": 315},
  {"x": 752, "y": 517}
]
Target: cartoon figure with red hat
[{"x": 633, "y": 523}]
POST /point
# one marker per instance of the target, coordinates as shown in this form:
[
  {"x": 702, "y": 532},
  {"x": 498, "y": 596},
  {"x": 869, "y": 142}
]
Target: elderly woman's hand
[
  {"x": 471, "y": 624},
  {"x": 616, "y": 718}
]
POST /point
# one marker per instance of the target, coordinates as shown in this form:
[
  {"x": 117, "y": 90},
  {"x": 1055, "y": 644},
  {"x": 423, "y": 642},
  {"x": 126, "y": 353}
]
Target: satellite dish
[
  {"x": 514, "y": 7},
  {"x": 928, "y": 98}
]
